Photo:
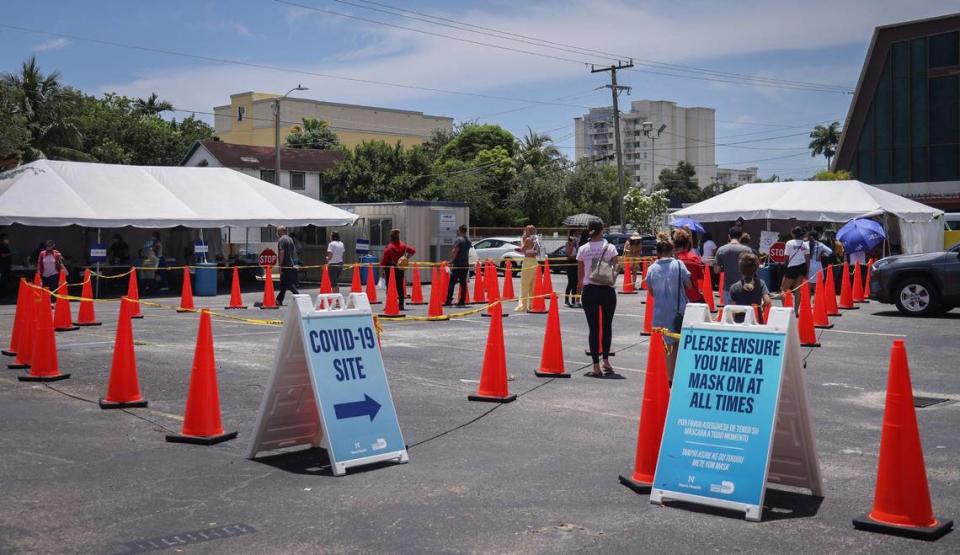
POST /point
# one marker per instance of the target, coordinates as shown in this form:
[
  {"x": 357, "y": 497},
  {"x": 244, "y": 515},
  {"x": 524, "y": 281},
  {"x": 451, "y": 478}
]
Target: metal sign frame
[
  {"x": 791, "y": 458},
  {"x": 291, "y": 412}
]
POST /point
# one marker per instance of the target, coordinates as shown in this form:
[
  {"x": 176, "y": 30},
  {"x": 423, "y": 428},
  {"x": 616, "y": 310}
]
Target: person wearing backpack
[
  {"x": 596, "y": 276},
  {"x": 49, "y": 264}
]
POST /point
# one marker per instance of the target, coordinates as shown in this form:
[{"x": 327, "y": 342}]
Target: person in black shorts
[{"x": 797, "y": 253}]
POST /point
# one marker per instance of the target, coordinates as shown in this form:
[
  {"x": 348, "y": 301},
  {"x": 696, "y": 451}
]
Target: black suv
[{"x": 919, "y": 284}]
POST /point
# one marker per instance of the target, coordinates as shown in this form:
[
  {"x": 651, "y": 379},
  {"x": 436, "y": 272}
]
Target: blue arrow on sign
[{"x": 367, "y": 407}]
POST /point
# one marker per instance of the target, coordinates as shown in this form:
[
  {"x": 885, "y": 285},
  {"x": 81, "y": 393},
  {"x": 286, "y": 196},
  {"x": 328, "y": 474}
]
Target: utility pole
[
  {"x": 276, "y": 130},
  {"x": 615, "y": 91}
]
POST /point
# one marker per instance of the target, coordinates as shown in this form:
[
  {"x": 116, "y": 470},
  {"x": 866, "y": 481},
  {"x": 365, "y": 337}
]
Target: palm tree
[
  {"x": 41, "y": 101},
  {"x": 151, "y": 105},
  {"x": 537, "y": 150},
  {"x": 824, "y": 141}
]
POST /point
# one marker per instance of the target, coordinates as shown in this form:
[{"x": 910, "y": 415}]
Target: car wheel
[{"x": 917, "y": 296}]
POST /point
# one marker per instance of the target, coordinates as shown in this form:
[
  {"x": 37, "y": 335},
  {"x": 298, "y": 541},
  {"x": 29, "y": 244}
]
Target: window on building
[
  {"x": 298, "y": 181},
  {"x": 944, "y": 50},
  {"x": 380, "y": 231},
  {"x": 268, "y": 234},
  {"x": 269, "y": 176},
  {"x": 241, "y": 111}
]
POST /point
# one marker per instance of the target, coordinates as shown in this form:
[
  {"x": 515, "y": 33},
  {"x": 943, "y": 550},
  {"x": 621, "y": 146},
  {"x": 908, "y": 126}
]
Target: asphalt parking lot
[{"x": 536, "y": 476}]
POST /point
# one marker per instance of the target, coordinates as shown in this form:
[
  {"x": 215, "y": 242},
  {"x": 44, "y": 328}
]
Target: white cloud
[
  {"x": 51, "y": 44},
  {"x": 240, "y": 28},
  {"x": 694, "y": 32}
]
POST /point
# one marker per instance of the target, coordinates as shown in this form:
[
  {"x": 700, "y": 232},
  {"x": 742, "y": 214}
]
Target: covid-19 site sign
[
  {"x": 738, "y": 414},
  {"x": 329, "y": 387}
]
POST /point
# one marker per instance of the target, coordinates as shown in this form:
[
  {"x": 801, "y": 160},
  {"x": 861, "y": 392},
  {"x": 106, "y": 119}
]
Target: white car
[{"x": 493, "y": 248}]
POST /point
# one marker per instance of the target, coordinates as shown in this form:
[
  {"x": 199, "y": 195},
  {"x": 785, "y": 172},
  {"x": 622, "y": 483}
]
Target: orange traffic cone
[
  {"x": 866, "y": 281},
  {"x": 493, "y": 376},
  {"x": 201, "y": 421},
  {"x": 721, "y": 288},
  {"x": 269, "y": 297},
  {"x": 23, "y": 350},
  {"x": 371, "y": 286},
  {"x": 653, "y": 414},
  {"x": 186, "y": 293},
  {"x": 36, "y": 280},
  {"x": 62, "y": 318},
  {"x": 355, "y": 286},
  {"x": 133, "y": 293},
  {"x": 17, "y": 319},
  {"x": 643, "y": 278},
  {"x": 437, "y": 295},
  {"x": 901, "y": 502},
  {"x": 808, "y": 334},
  {"x": 551, "y": 357},
  {"x": 648, "y": 316},
  {"x": 628, "y": 288},
  {"x": 508, "y": 294},
  {"x": 236, "y": 299},
  {"x": 846, "y": 295},
  {"x": 493, "y": 290},
  {"x": 788, "y": 299},
  {"x": 820, "y": 319},
  {"x": 86, "y": 316},
  {"x": 547, "y": 277},
  {"x": 830, "y": 289},
  {"x": 123, "y": 390},
  {"x": 325, "y": 287},
  {"x": 392, "y": 308},
  {"x": 766, "y": 313},
  {"x": 479, "y": 287},
  {"x": 858, "y": 296},
  {"x": 706, "y": 289},
  {"x": 44, "y": 366},
  {"x": 537, "y": 305},
  {"x": 416, "y": 293}
]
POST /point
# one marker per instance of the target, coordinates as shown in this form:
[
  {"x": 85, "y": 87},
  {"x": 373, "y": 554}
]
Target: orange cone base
[
  {"x": 810, "y": 344},
  {"x": 416, "y": 304},
  {"x": 18, "y": 366},
  {"x": 9, "y": 353},
  {"x": 201, "y": 440},
  {"x": 823, "y": 326},
  {"x": 637, "y": 487},
  {"x": 71, "y": 328},
  {"x": 393, "y": 316},
  {"x": 43, "y": 378},
  {"x": 104, "y": 404},
  {"x": 235, "y": 307},
  {"x": 137, "y": 316},
  {"x": 269, "y": 307},
  {"x": 181, "y": 310},
  {"x": 540, "y": 374},
  {"x": 849, "y": 308},
  {"x": 81, "y": 324},
  {"x": 486, "y": 399},
  {"x": 864, "y": 522},
  {"x": 864, "y": 301},
  {"x": 531, "y": 311},
  {"x": 487, "y": 315}
]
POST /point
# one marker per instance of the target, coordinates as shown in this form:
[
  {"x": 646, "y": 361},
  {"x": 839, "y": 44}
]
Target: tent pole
[{"x": 96, "y": 291}]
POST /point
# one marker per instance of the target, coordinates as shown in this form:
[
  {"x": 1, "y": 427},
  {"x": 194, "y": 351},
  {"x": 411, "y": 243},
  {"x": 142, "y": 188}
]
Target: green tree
[
  {"x": 715, "y": 189},
  {"x": 474, "y": 138},
  {"x": 827, "y": 175},
  {"x": 151, "y": 106},
  {"x": 680, "y": 183},
  {"x": 15, "y": 136},
  {"x": 645, "y": 212},
  {"x": 538, "y": 198},
  {"x": 824, "y": 140},
  {"x": 537, "y": 151},
  {"x": 592, "y": 188},
  {"x": 313, "y": 133}
]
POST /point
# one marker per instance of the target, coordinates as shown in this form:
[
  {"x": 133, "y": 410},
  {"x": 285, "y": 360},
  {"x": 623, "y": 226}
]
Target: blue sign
[
  {"x": 351, "y": 387},
  {"x": 98, "y": 252},
  {"x": 718, "y": 433}
]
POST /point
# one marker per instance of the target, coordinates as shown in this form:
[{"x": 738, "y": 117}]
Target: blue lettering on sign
[{"x": 718, "y": 432}]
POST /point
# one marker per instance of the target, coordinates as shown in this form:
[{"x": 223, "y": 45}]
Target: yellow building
[{"x": 249, "y": 120}]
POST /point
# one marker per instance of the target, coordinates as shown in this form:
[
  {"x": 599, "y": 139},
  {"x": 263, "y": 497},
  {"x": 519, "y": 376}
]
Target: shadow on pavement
[
  {"x": 312, "y": 462},
  {"x": 953, "y": 315},
  {"x": 777, "y": 505}
]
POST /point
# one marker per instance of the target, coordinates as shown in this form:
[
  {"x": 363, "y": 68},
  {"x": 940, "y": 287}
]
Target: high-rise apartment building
[{"x": 674, "y": 133}]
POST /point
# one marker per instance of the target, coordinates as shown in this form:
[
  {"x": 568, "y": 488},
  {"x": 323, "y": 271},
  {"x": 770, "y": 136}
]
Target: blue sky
[{"x": 821, "y": 41}]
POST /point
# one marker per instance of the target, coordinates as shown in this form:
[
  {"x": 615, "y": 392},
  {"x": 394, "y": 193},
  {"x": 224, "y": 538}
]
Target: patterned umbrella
[{"x": 580, "y": 220}]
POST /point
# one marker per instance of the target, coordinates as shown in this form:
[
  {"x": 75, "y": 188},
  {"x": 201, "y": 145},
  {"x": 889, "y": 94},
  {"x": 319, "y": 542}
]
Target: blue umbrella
[
  {"x": 861, "y": 235},
  {"x": 690, "y": 223}
]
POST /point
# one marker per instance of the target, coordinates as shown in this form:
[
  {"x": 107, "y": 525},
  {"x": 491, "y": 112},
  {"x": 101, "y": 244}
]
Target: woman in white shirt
[
  {"x": 797, "y": 253},
  {"x": 598, "y": 300},
  {"x": 818, "y": 251},
  {"x": 335, "y": 252}
]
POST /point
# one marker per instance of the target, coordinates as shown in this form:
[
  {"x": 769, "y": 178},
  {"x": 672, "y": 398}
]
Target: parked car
[
  {"x": 493, "y": 248},
  {"x": 550, "y": 245},
  {"x": 919, "y": 284}
]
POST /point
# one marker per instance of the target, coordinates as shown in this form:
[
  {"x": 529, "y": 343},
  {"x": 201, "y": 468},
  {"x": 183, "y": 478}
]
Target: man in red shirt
[{"x": 394, "y": 262}]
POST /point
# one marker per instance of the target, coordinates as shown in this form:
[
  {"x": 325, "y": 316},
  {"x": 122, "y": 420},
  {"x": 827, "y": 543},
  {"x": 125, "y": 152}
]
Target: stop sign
[
  {"x": 777, "y": 253},
  {"x": 267, "y": 258}
]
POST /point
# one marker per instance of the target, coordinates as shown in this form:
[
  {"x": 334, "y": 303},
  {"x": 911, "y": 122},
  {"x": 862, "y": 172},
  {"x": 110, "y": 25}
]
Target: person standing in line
[
  {"x": 683, "y": 247},
  {"x": 287, "y": 256},
  {"x": 119, "y": 251},
  {"x": 460, "y": 267},
  {"x": 857, "y": 257},
  {"x": 818, "y": 253},
  {"x": 570, "y": 250},
  {"x": 597, "y": 297},
  {"x": 394, "y": 263},
  {"x": 666, "y": 280},
  {"x": 728, "y": 260},
  {"x": 335, "y": 250},
  {"x": 49, "y": 264},
  {"x": 797, "y": 253},
  {"x": 750, "y": 290},
  {"x": 530, "y": 248}
]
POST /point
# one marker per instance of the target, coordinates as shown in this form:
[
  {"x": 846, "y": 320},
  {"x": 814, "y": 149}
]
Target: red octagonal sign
[
  {"x": 269, "y": 258},
  {"x": 777, "y": 252}
]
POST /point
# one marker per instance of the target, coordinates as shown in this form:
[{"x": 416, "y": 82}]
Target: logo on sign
[
  {"x": 778, "y": 252},
  {"x": 267, "y": 258}
]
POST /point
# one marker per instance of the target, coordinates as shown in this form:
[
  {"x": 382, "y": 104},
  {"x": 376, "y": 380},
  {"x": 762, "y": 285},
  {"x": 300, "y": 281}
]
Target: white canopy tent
[
  {"x": 54, "y": 194},
  {"x": 921, "y": 226}
]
